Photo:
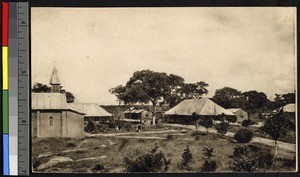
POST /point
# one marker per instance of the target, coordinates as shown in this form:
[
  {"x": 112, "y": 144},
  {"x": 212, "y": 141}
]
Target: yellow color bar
[{"x": 5, "y": 67}]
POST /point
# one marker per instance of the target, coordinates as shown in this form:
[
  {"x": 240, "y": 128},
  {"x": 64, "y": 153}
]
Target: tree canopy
[
  {"x": 252, "y": 101},
  {"x": 148, "y": 86},
  {"x": 40, "y": 88}
]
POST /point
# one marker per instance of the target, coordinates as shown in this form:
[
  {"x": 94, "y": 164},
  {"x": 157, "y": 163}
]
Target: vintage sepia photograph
[{"x": 163, "y": 90}]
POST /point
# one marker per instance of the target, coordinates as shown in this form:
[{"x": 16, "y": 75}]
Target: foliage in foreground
[
  {"x": 250, "y": 158},
  {"x": 222, "y": 128},
  {"x": 151, "y": 161},
  {"x": 243, "y": 136},
  {"x": 276, "y": 126},
  {"x": 209, "y": 164},
  {"x": 187, "y": 159}
]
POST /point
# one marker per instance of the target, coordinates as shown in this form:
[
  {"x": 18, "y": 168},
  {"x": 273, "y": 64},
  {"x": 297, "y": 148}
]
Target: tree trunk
[
  {"x": 276, "y": 149},
  {"x": 153, "y": 112},
  {"x": 275, "y": 155}
]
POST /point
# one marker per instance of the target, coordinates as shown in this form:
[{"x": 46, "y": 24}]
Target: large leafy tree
[
  {"x": 147, "y": 86},
  {"x": 283, "y": 99},
  {"x": 39, "y": 88},
  {"x": 229, "y": 98},
  {"x": 255, "y": 100}
]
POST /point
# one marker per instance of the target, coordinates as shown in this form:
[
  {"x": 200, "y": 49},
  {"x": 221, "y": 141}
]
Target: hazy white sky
[{"x": 95, "y": 49}]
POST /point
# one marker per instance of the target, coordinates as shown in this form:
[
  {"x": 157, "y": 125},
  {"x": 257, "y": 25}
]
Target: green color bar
[{"x": 5, "y": 111}]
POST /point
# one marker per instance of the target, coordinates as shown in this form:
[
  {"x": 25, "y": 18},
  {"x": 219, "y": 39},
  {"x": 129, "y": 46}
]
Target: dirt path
[
  {"x": 266, "y": 141},
  {"x": 130, "y": 133}
]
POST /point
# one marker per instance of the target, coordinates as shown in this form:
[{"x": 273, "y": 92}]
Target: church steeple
[{"x": 54, "y": 81}]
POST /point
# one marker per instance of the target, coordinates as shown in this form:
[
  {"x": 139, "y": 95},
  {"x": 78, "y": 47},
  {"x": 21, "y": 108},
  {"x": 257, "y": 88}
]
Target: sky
[{"x": 95, "y": 49}]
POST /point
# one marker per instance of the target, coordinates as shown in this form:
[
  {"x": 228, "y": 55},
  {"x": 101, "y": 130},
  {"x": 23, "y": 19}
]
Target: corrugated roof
[
  {"x": 289, "y": 108},
  {"x": 51, "y": 101},
  {"x": 54, "y": 77},
  {"x": 203, "y": 106},
  {"x": 234, "y": 110},
  {"x": 91, "y": 109},
  {"x": 136, "y": 111}
]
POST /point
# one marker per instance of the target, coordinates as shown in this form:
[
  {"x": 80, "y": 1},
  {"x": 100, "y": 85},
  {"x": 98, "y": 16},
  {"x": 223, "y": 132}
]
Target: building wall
[
  {"x": 241, "y": 115},
  {"x": 74, "y": 124},
  {"x": 33, "y": 124},
  {"x": 46, "y": 127},
  {"x": 62, "y": 124}
]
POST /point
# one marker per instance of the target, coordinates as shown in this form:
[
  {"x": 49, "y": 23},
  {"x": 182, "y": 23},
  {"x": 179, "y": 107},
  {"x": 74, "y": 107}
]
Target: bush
[
  {"x": 151, "y": 161},
  {"x": 290, "y": 163},
  {"x": 246, "y": 123},
  {"x": 169, "y": 137},
  {"x": 243, "y": 136},
  {"x": 70, "y": 144},
  {"x": 206, "y": 122},
  {"x": 231, "y": 119},
  {"x": 208, "y": 152},
  {"x": 187, "y": 159},
  {"x": 222, "y": 128},
  {"x": 249, "y": 158},
  {"x": 98, "y": 167},
  {"x": 209, "y": 166},
  {"x": 90, "y": 127}
]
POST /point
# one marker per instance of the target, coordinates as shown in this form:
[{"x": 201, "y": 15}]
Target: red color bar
[{"x": 4, "y": 23}]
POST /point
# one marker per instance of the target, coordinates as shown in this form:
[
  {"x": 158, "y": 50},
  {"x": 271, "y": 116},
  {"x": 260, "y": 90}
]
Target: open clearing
[{"x": 82, "y": 155}]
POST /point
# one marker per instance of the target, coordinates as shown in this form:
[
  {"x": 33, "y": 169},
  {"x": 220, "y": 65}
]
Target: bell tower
[{"x": 54, "y": 81}]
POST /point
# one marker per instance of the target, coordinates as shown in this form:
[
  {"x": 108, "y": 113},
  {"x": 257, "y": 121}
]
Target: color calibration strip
[
  {"x": 15, "y": 90},
  {"x": 5, "y": 110}
]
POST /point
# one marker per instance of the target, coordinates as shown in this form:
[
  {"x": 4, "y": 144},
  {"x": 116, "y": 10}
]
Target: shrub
[
  {"x": 209, "y": 166},
  {"x": 90, "y": 127},
  {"x": 290, "y": 163},
  {"x": 222, "y": 128},
  {"x": 206, "y": 122},
  {"x": 249, "y": 158},
  {"x": 98, "y": 167},
  {"x": 187, "y": 159},
  {"x": 231, "y": 119},
  {"x": 243, "y": 136},
  {"x": 264, "y": 158},
  {"x": 70, "y": 144},
  {"x": 208, "y": 152},
  {"x": 36, "y": 162},
  {"x": 169, "y": 137},
  {"x": 151, "y": 161},
  {"x": 246, "y": 123}
]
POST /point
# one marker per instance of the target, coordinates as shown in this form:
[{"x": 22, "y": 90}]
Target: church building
[{"x": 52, "y": 116}]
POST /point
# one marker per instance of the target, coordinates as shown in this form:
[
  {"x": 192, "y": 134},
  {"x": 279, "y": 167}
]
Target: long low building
[
  {"x": 93, "y": 112},
  {"x": 203, "y": 107}
]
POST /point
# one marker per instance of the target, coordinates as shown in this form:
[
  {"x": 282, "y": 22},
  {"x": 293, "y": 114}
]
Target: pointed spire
[{"x": 54, "y": 77}]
